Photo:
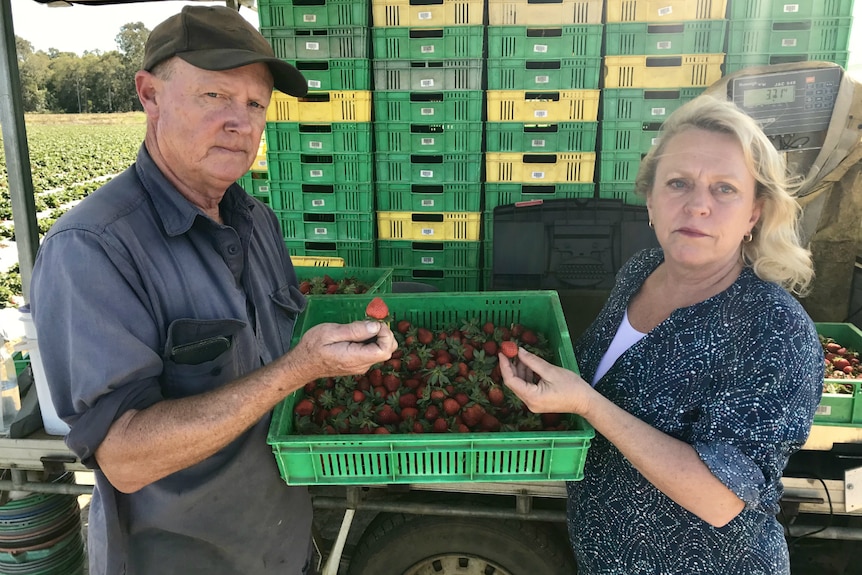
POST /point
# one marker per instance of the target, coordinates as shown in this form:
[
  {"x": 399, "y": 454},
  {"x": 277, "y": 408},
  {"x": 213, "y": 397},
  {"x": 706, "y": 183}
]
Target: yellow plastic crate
[
  {"x": 686, "y": 71},
  {"x": 559, "y": 168},
  {"x": 259, "y": 164},
  {"x": 337, "y": 106},
  {"x": 316, "y": 262},
  {"x": 441, "y": 13},
  {"x": 664, "y": 10},
  {"x": 532, "y": 107},
  {"x": 429, "y": 226},
  {"x": 530, "y": 13}
]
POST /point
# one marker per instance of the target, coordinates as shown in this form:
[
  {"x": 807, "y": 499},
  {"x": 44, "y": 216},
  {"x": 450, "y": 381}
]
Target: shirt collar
[{"x": 176, "y": 212}]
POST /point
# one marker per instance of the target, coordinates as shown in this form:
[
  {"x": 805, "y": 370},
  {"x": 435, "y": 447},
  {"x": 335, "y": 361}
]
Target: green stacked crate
[
  {"x": 659, "y": 54},
  {"x": 762, "y": 32},
  {"x": 427, "y": 73},
  {"x": 544, "y": 61},
  {"x": 319, "y": 147}
]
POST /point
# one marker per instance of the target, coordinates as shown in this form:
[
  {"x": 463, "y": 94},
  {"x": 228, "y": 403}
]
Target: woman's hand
[{"x": 556, "y": 389}]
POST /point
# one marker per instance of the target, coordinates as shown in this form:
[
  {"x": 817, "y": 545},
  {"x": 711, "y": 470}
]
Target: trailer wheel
[{"x": 398, "y": 544}]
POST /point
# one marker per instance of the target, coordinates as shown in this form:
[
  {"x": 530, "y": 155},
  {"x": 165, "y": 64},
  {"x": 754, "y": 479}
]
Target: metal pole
[
  {"x": 39, "y": 487},
  {"x": 17, "y": 151}
]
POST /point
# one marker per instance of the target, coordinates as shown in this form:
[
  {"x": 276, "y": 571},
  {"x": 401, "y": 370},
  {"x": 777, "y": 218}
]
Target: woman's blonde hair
[{"x": 775, "y": 252}]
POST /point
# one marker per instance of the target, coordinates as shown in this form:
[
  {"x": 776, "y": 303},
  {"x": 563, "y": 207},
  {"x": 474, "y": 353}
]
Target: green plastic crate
[
  {"x": 437, "y": 458},
  {"x": 428, "y": 138},
  {"x": 321, "y": 198},
  {"x": 629, "y": 136},
  {"x": 354, "y": 253},
  {"x": 428, "y": 168},
  {"x": 780, "y": 37},
  {"x": 319, "y": 168},
  {"x": 429, "y": 107},
  {"x": 427, "y": 75},
  {"x": 619, "y": 166},
  {"x": 335, "y": 75},
  {"x": 736, "y": 62},
  {"x": 280, "y": 14},
  {"x": 788, "y": 9},
  {"x": 256, "y": 184},
  {"x": 322, "y": 227},
  {"x": 537, "y": 42},
  {"x": 407, "y": 254},
  {"x": 333, "y": 138},
  {"x": 558, "y": 74},
  {"x": 454, "y": 280},
  {"x": 378, "y": 279},
  {"x": 656, "y": 39},
  {"x": 504, "y": 194},
  {"x": 645, "y": 105},
  {"x": 841, "y": 409},
  {"x": 318, "y": 43},
  {"x": 624, "y": 191},
  {"x": 402, "y": 43},
  {"x": 407, "y": 197},
  {"x": 535, "y": 138}
]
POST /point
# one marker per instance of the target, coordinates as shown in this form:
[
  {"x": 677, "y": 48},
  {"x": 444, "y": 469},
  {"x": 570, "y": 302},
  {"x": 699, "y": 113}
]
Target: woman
[{"x": 705, "y": 371}]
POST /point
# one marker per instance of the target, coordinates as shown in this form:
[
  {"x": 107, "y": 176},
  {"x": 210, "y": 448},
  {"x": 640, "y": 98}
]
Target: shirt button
[{"x": 232, "y": 249}]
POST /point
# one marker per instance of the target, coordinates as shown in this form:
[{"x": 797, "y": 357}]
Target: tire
[{"x": 398, "y": 544}]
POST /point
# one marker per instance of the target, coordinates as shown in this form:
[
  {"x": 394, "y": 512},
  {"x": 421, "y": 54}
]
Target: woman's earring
[
  {"x": 652, "y": 227},
  {"x": 747, "y": 238}
]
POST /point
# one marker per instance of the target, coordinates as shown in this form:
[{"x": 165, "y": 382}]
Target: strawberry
[
  {"x": 403, "y": 326},
  {"x": 488, "y": 328},
  {"x": 551, "y": 419},
  {"x": 358, "y": 396},
  {"x": 305, "y": 286},
  {"x": 304, "y": 408},
  {"x": 490, "y": 347},
  {"x": 424, "y": 336},
  {"x": 509, "y": 349},
  {"x": 381, "y": 431},
  {"x": 377, "y": 309},
  {"x": 472, "y": 415},
  {"x": 391, "y": 382},
  {"x": 375, "y": 377},
  {"x": 529, "y": 338},
  {"x": 409, "y": 413},
  {"x": 451, "y": 406},
  {"x": 432, "y": 412},
  {"x": 407, "y": 400},
  {"x": 495, "y": 396},
  {"x": 490, "y": 423},
  {"x": 440, "y": 426}
]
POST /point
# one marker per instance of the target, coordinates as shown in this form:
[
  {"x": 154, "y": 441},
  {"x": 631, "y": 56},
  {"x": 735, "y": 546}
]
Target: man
[{"x": 166, "y": 303}]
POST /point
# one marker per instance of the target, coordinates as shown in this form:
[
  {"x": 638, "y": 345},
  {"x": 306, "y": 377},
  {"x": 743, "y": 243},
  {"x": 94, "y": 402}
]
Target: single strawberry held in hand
[
  {"x": 377, "y": 310},
  {"x": 509, "y": 349}
]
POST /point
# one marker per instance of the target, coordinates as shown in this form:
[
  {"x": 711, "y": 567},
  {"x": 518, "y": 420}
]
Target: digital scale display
[{"x": 795, "y": 102}]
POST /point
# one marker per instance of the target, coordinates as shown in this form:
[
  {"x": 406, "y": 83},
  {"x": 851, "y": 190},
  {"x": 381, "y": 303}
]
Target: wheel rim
[{"x": 456, "y": 564}]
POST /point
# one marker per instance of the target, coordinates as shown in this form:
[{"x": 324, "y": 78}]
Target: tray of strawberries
[
  {"x": 437, "y": 411},
  {"x": 841, "y": 403},
  {"x": 314, "y": 281}
]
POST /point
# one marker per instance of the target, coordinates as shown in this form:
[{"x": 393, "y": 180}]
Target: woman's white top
[{"x": 626, "y": 337}]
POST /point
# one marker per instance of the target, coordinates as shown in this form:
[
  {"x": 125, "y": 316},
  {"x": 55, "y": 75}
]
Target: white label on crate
[
  {"x": 823, "y": 410},
  {"x": 426, "y": 173},
  {"x": 653, "y": 141},
  {"x": 537, "y": 144},
  {"x": 427, "y": 83},
  {"x": 427, "y": 231},
  {"x": 658, "y": 111},
  {"x": 540, "y": 48},
  {"x": 426, "y": 111},
  {"x": 540, "y": 113},
  {"x": 788, "y": 42},
  {"x": 543, "y": 79},
  {"x": 314, "y": 84},
  {"x": 791, "y": 7},
  {"x": 318, "y": 203},
  {"x": 309, "y": 17},
  {"x": 315, "y": 145},
  {"x": 427, "y": 203},
  {"x": 665, "y": 45},
  {"x": 665, "y": 11},
  {"x": 537, "y": 175},
  {"x": 321, "y": 231},
  {"x": 261, "y": 163},
  {"x": 263, "y": 189},
  {"x": 315, "y": 173},
  {"x": 427, "y": 49},
  {"x": 427, "y": 141},
  {"x": 428, "y": 260},
  {"x": 425, "y": 15},
  {"x": 312, "y": 45}
]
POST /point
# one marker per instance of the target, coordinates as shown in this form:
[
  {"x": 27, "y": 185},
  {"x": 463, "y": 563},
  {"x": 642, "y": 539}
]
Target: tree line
[{"x": 64, "y": 82}]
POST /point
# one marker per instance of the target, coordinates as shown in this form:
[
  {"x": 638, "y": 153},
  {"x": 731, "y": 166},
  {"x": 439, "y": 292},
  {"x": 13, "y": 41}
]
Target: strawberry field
[{"x": 70, "y": 157}]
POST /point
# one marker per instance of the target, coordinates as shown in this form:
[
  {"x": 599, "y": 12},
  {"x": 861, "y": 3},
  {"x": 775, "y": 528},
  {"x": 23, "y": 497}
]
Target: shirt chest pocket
[
  {"x": 288, "y": 303},
  {"x": 200, "y": 355}
]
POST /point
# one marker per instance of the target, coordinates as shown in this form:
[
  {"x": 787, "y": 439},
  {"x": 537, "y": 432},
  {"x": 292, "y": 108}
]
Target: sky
[{"x": 78, "y": 28}]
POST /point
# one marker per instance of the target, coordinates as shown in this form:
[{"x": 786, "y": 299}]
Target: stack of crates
[
  {"x": 427, "y": 68},
  {"x": 762, "y": 32},
  {"x": 659, "y": 54},
  {"x": 544, "y": 62},
  {"x": 319, "y": 150},
  {"x": 256, "y": 180}
]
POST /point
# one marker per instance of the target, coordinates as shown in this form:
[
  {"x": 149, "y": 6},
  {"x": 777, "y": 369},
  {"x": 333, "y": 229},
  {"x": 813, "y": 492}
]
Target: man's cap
[{"x": 217, "y": 38}]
